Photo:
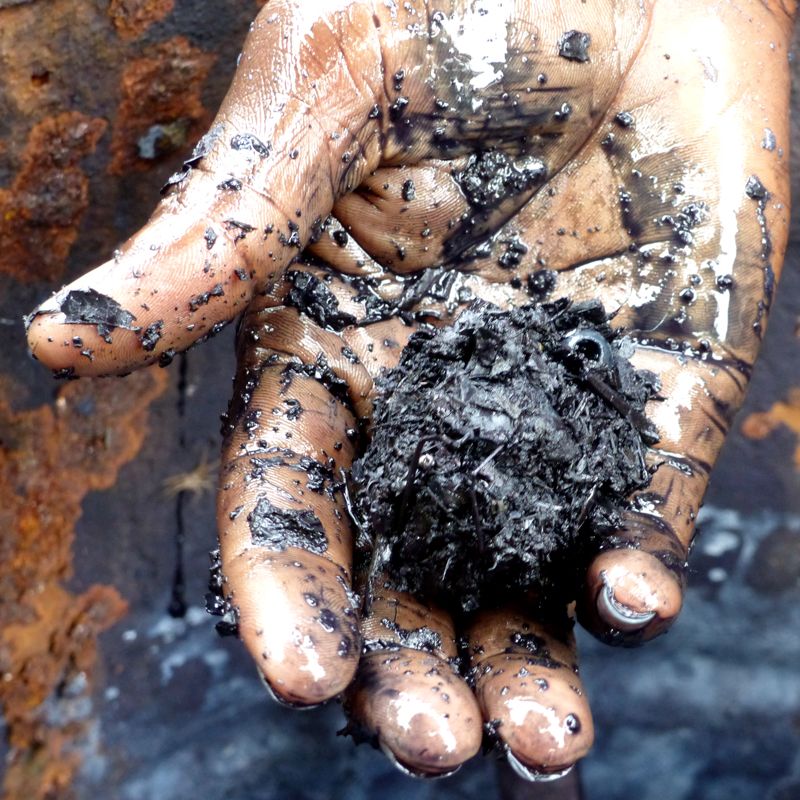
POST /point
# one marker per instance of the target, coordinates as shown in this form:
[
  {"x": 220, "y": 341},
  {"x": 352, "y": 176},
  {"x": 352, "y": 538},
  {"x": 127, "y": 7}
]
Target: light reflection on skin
[
  {"x": 519, "y": 708},
  {"x": 408, "y": 708}
]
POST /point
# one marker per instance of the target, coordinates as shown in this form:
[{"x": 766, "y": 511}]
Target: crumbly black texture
[
  {"x": 502, "y": 448},
  {"x": 278, "y": 528}
]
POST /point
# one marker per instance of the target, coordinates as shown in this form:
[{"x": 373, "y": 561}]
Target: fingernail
[
  {"x": 282, "y": 701},
  {"x": 422, "y": 715},
  {"x": 619, "y": 615},
  {"x": 532, "y": 775},
  {"x": 414, "y": 773}
]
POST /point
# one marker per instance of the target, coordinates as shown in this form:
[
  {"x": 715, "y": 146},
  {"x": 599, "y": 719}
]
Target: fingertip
[
  {"x": 630, "y": 597},
  {"x": 541, "y": 714},
  {"x": 297, "y": 620},
  {"x": 419, "y": 712}
]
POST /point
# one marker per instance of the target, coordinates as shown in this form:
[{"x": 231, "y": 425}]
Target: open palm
[{"x": 376, "y": 167}]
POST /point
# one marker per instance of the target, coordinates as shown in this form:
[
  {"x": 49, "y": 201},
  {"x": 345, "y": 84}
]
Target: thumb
[{"x": 293, "y": 134}]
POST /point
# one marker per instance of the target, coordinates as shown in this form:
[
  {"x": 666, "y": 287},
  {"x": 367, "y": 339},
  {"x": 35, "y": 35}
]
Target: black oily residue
[
  {"x": 502, "y": 449},
  {"x": 313, "y": 297},
  {"x": 93, "y": 308},
  {"x": 574, "y": 46},
  {"x": 152, "y": 335},
  {"x": 423, "y": 638},
  {"x": 278, "y": 528},
  {"x": 217, "y": 604},
  {"x": 491, "y": 177},
  {"x": 493, "y": 184}
]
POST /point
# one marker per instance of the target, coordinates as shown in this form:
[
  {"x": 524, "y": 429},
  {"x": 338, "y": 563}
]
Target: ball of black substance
[{"x": 502, "y": 447}]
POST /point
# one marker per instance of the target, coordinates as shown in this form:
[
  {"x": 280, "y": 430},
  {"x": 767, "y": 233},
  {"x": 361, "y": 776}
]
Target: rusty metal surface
[{"x": 158, "y": 703}]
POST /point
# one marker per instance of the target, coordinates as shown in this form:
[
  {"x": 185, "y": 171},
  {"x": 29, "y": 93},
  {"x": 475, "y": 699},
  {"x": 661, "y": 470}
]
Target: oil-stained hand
[{"x": 376, "y": 165}]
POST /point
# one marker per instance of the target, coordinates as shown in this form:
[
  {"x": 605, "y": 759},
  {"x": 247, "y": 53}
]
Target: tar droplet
[
  {"x": 563, "y": 113},
  {"x": 542, "y": 282},
  {"x": 247, "y": 141},
  {"x": 151, "y": 335},
  {"x": 624, "y": 119},
  {"x": 572, "y": 724},
  {"x": 574, "y": 46},
  {"x": 327, "y": 620},
  {"x": 398, "y": 108},
  {"x": 409, "y": 191},
  {"x": 755, "y": 189}
]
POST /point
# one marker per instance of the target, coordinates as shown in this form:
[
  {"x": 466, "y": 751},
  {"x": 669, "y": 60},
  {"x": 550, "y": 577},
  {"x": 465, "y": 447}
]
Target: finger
[
  {"x": 530, "y": 694},
  {"x": 254, "y": 192},
  {"x": 408, "y": 698},
  {"x": 634, "y": 586},
  {"x": 703, "y": 328},
  {"x": 285, "y": 538}
]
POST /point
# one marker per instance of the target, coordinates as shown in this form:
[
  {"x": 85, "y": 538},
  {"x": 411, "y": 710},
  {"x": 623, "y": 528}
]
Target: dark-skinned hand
[{"x": 661, "y": 127}]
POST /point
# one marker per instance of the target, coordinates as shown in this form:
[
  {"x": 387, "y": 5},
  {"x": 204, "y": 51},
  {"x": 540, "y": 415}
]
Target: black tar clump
[{"x": 502, "y": 447}]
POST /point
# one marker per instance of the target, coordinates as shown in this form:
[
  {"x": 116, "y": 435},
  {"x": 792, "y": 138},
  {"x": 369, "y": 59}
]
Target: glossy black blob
[
  {"x": 512, "y": 257},
  {"x": 563, "y": 113},
  {"x": 313, "y": 297},
  {"x": 409, "y": 192},
  {"x": 541, "y": 283},
  {"x": 574, "y": 46},
  {"x": 230, "y": 185},
  {"x": 217, "y": 604},
  {"x": 278, "y": 528},
  {"x": 491, "y": 177},
  {"x": 685, "y": 221},
  {"x": 151, "y": 335},
  {"x": 754, "y": 189},
  {"x": 92, "y": 308},
  {"x": 624, "y": 119},
  {"x": 204, "y": 298},
  {"x": 248, "y": 141},
  {"x": 502, "y": 448},
  {"x": 573, "y": 724}
]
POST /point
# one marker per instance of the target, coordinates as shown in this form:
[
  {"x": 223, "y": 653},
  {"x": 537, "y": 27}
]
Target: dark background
[{"x": 160, "y": 707}]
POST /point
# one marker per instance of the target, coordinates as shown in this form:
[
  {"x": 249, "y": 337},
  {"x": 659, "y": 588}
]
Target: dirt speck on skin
[{"x": 502, "y": 448}]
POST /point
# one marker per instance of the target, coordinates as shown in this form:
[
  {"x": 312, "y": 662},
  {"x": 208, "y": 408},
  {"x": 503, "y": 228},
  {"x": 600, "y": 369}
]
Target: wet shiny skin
[{"x": 647, "y": 169}]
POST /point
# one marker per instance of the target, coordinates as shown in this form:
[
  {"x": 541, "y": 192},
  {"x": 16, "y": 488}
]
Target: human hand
[{"x": 664, "y": 193}]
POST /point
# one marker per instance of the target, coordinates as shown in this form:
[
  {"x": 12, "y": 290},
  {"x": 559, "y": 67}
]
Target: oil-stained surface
[{"x": 708, "y": 712}]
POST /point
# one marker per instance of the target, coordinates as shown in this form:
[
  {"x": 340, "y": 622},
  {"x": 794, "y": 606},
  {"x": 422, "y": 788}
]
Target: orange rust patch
[
  {"x": 131, "y": 18},
  {"x": 50, "y": 458},
  {"x": 41, "y": 212},
  {"x": 761, "y": 424},
  {"x": 160, "y": 109}
]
